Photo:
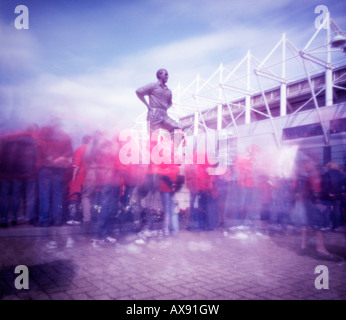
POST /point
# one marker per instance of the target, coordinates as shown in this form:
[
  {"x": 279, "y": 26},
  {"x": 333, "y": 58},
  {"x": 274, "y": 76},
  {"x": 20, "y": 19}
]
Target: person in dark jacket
[
  {"x": 335, "y": 186},
  {"x": 55, "y": 153},
  {"x": 314, "y": 214},
  {"x": 18, "y": 175}
]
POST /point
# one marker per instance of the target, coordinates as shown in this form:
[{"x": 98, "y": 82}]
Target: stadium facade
[{"x": 293, "y": 97}]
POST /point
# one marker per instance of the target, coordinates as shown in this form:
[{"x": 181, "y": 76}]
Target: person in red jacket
[
  {"x": 168, "y": 174},
  {"x": 168, "y": 180},
  {"x": 202, "y": 185},
  {"x": 76, "y": 184}
]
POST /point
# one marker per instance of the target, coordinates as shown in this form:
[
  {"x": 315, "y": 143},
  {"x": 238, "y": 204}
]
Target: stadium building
[{"x": 294, "y": 97}]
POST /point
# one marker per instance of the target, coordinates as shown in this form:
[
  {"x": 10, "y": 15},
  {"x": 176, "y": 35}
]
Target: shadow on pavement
[{"x": 41, "y": 277}]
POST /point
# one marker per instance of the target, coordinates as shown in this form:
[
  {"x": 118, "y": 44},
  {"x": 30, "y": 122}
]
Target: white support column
[
  {"x": 283, "y": 87},
  {"x": 195, "y": 124},
  {"x": 196, "y": 120},
  {"x": 326, "y": 138},
  {"x": 219, "y": 106},
  {"x": 283, "y": 99},
  {"x": 248, "y": 86},
  {"x": 219, "y": 117},
  {"x": 329, "y": 73}
]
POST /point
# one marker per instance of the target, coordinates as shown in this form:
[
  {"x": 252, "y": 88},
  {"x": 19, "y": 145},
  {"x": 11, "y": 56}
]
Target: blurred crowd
[{"x": 44, "y": 182}]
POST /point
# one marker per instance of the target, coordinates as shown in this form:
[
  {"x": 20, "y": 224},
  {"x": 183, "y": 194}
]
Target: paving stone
[
  {"x": 140, "y": 287},
  {"x": 170, "y": 296},
  {"x": 12, "y": 297},
  {"x": 149, "y": 295},
  {"x": 101, "y": 297},
  {"x": 80, "y": 296},
  {"x": 59, "y": 296}
]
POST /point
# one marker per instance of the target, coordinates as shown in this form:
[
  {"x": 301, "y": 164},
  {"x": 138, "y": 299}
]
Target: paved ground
[{"x": 64, "y": 264}]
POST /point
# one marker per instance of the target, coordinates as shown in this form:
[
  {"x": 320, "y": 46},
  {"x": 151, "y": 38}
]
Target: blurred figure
[
  {"x": 335, "y": 185},
  {"x": 231, "y": 196},
  {"x": 283, "y": 201},
  {"x": 248, "y": 204},
  {"x": 222, "y": 182},
  {"x": 55, "y": 153},
  {"x": 137, "y": 194},
  {"x": 18, "y": 175},
  {"x": 76, "y": 184},
  {"x": 313, "y": 210},
  {"x": 208, "y": 195},
  {"x": 101, "y": 179},
  {"x": 265, "y": 197},
  {"x": 203, "y": 187},
  {"x": 148, "y": 188},
  {"x": 191, "y": 181},
  {"x": 129, "y": 176},
  {"x": 213, "y": 208},
  {"x": 168, "y": 175}
]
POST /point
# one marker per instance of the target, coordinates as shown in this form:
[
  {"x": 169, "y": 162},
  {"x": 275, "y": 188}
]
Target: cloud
[{"x": 18, "y": 53}]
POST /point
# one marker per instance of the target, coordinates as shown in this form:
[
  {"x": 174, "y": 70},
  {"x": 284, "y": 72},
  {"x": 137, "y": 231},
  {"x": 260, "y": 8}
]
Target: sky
[{"x": 83, "y": 60}]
